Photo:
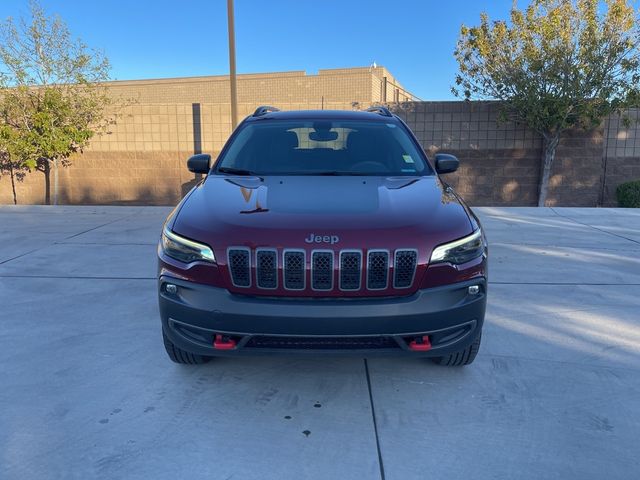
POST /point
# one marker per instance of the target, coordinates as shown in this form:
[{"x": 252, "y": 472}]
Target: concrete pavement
[{"x": 87, "y": 390}]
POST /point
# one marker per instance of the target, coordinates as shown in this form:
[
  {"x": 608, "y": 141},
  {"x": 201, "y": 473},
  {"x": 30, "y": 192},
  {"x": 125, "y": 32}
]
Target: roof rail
[
  {"x": 264, "y": 109},
  {"x": 380, "y": 110}
]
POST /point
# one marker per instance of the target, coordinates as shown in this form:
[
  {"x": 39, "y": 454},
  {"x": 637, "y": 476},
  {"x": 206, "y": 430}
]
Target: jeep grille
[
  {"x": 267, "y": 269},
  {"x": 240, "y": 266},
  {"x": 377, "y": 270},
  {"x": 350, "y": 270},
  {"x": 294, "y": 270},
  {"x": 405, "y": 268},
  {"x": 322, "y": 271},
  {"x": 380, "y": 270}
]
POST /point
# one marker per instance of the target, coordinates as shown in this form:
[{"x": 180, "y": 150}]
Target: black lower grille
[
  {"x": 322, "y": 343},
  {"x": 294, "y": 270},
  {"x": 404, "y": 268},
  {"x": 240, "y": 267}
]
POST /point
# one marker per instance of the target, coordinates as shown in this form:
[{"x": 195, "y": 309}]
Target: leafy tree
[
  {"x": 52, "y": 98},
  {"x": 10, "y": 154},
  {"x": 557, "y": 65}
]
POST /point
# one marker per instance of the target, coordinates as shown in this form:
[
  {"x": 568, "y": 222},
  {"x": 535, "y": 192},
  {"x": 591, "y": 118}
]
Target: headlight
[
  {"x": 185, "y": 250},
  {"x": 460, "y": 251}
]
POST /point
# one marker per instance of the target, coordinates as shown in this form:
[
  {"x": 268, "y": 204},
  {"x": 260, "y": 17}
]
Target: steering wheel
[{"x": 369, "y": 166}]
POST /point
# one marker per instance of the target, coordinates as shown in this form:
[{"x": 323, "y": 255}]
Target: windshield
[{"x": 326, "y": 147}]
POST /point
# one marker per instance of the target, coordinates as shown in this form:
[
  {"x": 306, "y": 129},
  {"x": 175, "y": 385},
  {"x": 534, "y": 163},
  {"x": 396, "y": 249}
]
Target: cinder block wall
[
  {"x": 500, "y": 162},
  {"x": 143, "y": 159},
  {"x": 621, "y": 159}
]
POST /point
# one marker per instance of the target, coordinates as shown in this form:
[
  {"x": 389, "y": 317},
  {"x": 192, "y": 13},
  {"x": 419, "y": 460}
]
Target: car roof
[{"x": 323, "y": 115}]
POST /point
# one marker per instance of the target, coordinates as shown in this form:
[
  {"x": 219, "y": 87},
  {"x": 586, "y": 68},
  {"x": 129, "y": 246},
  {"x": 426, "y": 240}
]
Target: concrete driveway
[{"x": 86, "y": 390}]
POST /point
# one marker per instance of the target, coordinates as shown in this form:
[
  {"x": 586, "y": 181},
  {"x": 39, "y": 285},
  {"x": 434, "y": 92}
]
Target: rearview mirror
[
  {"x": 323, "y": 136},
  {"x": 200, "y": 163},
  {"x": 446, "y": 163}
]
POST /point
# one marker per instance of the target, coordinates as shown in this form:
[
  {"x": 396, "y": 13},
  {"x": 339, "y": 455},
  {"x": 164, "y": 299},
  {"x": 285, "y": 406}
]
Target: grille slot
[
  {"x": 377, "y": 269},
  {"x": 294, "y": 270},
  {"x": 240, "y": 266},
  {"x": 350, "y": 270},
  {"x": 404, "y": 268},
  {"x": 267, "y": 269},
  {"x": 322, "y": 271},
  {"x": 322, "y": 343}
]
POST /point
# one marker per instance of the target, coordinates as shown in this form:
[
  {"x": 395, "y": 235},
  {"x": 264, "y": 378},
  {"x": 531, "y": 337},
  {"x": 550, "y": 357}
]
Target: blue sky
[{"x": 162, "y": 38}]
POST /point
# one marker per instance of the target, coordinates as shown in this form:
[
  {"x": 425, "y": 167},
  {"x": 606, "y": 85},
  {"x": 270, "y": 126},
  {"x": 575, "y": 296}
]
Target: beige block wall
[
  {"x": 142, "y": 158},
  {"x": 181, "y": 127},
  {"x": 500, "y": 162},
  {"x": 621, "y": 162}
]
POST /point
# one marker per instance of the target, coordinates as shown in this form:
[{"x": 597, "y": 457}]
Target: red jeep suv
[{"x": 322, "y": 231}]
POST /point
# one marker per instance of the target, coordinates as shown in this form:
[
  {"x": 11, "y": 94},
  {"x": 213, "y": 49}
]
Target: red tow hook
[
  {"x": 420, "y": 344},
  {"x": 223, "y": 343}
]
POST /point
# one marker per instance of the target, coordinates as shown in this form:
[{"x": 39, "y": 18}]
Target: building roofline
[{"x": 200, "y": 78}]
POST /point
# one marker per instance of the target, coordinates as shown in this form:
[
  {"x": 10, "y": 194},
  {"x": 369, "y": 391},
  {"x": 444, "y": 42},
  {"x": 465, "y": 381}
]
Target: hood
[{"x": 341, "y": 212}]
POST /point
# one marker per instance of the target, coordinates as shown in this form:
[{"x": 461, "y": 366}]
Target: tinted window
[{"x": 307, "y": 147}]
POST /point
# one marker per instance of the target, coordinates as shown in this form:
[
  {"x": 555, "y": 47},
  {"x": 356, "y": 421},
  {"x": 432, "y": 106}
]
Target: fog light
[
  {"x": 171, "y": 288},
  {"x": 474, "y": 290}
]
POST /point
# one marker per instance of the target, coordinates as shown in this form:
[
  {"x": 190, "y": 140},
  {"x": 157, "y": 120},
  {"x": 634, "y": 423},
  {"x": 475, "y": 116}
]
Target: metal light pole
[{"x": 232, "y": 65}]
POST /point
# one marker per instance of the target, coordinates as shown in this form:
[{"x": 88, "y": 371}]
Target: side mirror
[
  {"x": 446, "y": 163},
  {"x": 200, "y": 163}
]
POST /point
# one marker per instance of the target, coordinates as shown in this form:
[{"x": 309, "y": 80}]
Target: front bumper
[{"x": 449, "y": 315}]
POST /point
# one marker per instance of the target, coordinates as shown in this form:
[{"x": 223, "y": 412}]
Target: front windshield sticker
[
  {"x": 407, "y": 159},
  {"x": 390, "y": 125}
]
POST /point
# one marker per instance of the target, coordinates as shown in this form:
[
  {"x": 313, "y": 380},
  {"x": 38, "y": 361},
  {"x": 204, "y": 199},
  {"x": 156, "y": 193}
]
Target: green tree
[
  {"x": 52, "y": 96},
  {"x": 11, "y": 163},
  {"x": 557, "y": 65}
]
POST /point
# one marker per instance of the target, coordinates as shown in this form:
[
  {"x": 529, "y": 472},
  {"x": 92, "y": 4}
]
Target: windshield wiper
[{"x": 235, "y": 171}]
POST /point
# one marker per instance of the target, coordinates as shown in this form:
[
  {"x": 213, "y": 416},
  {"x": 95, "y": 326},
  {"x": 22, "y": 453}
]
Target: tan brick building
[{"x": 142, "y": 159}]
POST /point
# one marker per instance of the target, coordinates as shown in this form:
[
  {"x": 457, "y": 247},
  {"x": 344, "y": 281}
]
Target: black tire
[
  {"x": 462, "y": 357},
  {"x": 178, "y": 355}
]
